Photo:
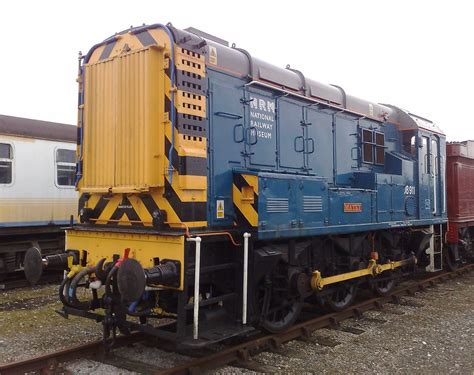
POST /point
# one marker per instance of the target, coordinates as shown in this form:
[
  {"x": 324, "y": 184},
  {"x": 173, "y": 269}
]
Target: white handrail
[
  {"x": 245, "y": 277},
  {"x": 197, "y": 271}
]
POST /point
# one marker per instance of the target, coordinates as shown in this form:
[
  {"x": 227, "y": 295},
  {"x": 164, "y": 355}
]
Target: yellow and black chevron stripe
[
  {"x": 184, "y": 196},
  {"x": 245, "y": 199},
  {"x": 189, "y": 153},
  {"x": 139, "y": 209}
]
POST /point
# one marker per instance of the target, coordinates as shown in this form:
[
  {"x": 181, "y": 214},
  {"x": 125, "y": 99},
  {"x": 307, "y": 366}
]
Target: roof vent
[{"x": 204, "y": 35}]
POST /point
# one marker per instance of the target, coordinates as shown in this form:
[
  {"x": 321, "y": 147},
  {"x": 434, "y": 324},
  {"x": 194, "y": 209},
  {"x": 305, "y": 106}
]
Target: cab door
[
  {"x": 226, "y": 147},
  {"x": 436, "y": 174},
  {"x": 291, "y": 135},
  {"x": 260, "y": 135},
  {"x": 425, "y": 180}
]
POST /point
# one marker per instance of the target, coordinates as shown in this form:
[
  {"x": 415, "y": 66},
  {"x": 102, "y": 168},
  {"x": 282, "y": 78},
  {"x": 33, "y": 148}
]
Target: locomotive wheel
[
  {"x": 450, "y": 260},
  {"x": 385, "y": 285},
  {"x": 464, "y": 248},
  {"x": 341, "y": 298},
  {"x": 278, "y": 310}
]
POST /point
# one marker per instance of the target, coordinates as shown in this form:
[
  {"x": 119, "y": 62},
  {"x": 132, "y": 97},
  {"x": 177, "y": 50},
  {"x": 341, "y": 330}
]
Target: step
[
  {"x": 211, "y": 301},
  {"x": 214, "y": 268}
]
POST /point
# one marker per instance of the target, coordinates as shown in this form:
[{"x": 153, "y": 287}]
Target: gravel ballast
[{"x": 432, "y": 332}]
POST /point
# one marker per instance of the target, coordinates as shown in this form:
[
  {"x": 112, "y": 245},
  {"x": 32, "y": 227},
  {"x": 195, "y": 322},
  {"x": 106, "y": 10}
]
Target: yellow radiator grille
[{"x": 124, "y": 123}]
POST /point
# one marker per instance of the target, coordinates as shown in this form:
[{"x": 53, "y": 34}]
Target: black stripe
[
  {"x": 240, "y": 219},
  {"x": 149, "y": 203},
  {"x": 125, "y": 207},
  {"x": 145, "y": 38},
  {"x": 186, "y": 211},
  {"x": 174, "y": 154},
  {"x": 240, "y": 182},
  {"x": 191, "y": 125},
  {"x": 79, "y": 135},
  {"x": 168, "y": 109},
  {"x": 83, "y": 199},
  {"x": 99, "y": 207},
  {"x": 186, "y": 165},
  {"x": 255, "y": 202},
  {"x": 107, "y": 50},
  {"x": 191, "y": 83},
  {"x": 152, "y": 207}
]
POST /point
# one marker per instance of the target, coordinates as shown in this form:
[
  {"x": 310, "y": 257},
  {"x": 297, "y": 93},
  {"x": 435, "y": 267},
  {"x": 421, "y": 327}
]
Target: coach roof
[{"x": 38, "y": 129}]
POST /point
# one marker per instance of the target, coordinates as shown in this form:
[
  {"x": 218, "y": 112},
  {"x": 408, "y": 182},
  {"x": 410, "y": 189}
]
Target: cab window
[
  {"x": 373, "y": 147},
  {"x": 409, "y": 143},
  {"x": 424, "y": 155}
]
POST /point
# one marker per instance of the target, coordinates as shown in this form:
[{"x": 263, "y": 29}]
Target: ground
[
  {"x": 29, "y": 324},
  {"x": 432, "y": 332}
]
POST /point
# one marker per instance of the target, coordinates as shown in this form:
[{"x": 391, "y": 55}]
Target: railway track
[
  {"x": 239, "y": 354},
  {"x": 17, "y": 280}
]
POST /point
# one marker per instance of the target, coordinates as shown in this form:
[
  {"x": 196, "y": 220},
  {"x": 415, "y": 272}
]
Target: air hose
[{"x": 72, "y": 291}]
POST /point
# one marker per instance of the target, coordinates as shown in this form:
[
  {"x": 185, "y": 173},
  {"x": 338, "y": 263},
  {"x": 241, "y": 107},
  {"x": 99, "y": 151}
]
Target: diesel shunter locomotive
[{"x": 223, "y": 193}]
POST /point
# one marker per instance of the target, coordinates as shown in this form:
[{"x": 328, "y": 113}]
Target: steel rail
[
  {"x": 47, "y": 363},
  {"x": 19, "y": 281},
  {"x": 239, "y": 353},
  {"x": 243, "y": 352}
]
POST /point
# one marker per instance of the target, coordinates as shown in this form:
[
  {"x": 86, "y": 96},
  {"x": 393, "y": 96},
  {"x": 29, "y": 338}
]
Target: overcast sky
[{"x": 417, "y": 55}]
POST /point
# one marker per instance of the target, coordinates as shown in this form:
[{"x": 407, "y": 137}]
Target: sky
[{"x": 417, "y": 55}]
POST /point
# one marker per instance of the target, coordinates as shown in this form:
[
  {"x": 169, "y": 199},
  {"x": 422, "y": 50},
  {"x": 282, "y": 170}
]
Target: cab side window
[
  {"x": 65, "y": 167},
  {"x": 6, "y": 163},
  {"x": 424, "y": 155},
  {"x": 373, "y": 147}
]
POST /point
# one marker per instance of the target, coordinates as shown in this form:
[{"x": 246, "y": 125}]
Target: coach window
[
  {"x": 6, "y": 163},
  {"x": 65, "y": 167}
]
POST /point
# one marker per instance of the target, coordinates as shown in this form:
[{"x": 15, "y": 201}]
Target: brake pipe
[
  {"x": 73, "y": 301},
  {"x": 213, "y": 234},
  {"x": 62, "y": 288},
  {"x": 205, "y": 234},
  {"x": 114, "y": 270}
]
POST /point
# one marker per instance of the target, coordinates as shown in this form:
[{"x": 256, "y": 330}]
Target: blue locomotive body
[{"x": 321, "y": 169}]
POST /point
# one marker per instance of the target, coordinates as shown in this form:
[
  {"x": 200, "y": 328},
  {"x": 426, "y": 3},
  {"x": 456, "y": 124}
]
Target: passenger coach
[{"x": 37, "y": 194}]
